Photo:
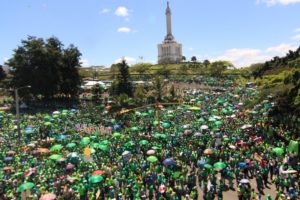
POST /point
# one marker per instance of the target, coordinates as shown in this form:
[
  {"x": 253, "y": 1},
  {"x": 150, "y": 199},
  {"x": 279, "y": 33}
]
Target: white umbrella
[
  {"x": 150, "y": 152},
  {"x": 244, "y": 180},
  {"x": 289, "y": 172},
  {"x": 197, "y": 134},
  {"x": 126, "y": 153},
  {"x": 73, "y": 155},
  {"x": 246, "y": 126},
  {"x": 203, "y": 127},
  {"x": 56, "y": 112},
  {"x": 217, "y": 117}
]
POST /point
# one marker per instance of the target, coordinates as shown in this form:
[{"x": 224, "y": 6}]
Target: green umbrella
[
  {"x": 143, "y": 142},
  {"x": 166, "y": 125},
  {"x": 56, "y": 147},
  {"x": 163, "y": 136},
  {"x": 218, "y": 123},
  {"x": 145, "y": 114},
  {"x": 176, "y": 174},
  {"x": 47, "y": 118},
  {"x": 47, "y": 123},
  {"x": 116, "y": 134},
  {"x": 152, "y": 159},
  {"x": 201, "y": 120},
  {"x": 55, "y": 156},
  {"x": 279, "y": 151},
  {"x": 104, "y": 148},
  {"x": 195, "y": 108},
  {"x": 129, "y": 144},
  {"x": 85, "y": 141},
  {"x": 96, "y": 145},
  {"x": 25, "y": 186},
  {"x": 207, "y": 166},
  {"x": 219, "y": 165},
  {"x": 224, "y": 110},
  {"x": 105, "y": 142},
  {"x": 155, "y": 123},
  {"x": 211, "y": 119},
  {"x": 55, "y": 116},
  {"x": 215, "y": 110},
  {"x": 96, "y": 179},
  {"x": 30, "y": 131},
  {"x": 71, "y": 145},
  {"x": 156, "y": 148},
  {"x": 134, "y": 128}
]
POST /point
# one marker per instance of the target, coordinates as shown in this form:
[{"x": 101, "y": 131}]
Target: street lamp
[{"x": 18, "y": 108}]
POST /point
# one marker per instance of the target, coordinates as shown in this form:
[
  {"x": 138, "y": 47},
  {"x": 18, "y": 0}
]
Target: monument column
[{"x": 168, "y": 15}]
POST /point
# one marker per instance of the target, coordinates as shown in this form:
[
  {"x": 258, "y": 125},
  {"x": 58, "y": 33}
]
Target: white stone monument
[{"x": 169, "y": 51}]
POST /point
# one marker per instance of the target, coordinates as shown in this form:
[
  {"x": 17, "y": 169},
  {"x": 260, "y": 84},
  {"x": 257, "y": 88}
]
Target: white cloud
[
  {"x": 296, "y": 37},
  {"x": 274, "y": 2},
  {"x": 281, "y": 49},
  {"x": 5, "y": 59},
  {"x": 84, "y": 62},
  {"x": 104, "y": 11},
  {"x": 129, "y": 60},
  {"x": 124, "y": 30},
  {"x": 191, "y": 49},
  {"x": 297, "y": 30},
  {"x": 243, "y": 57},
  {"x": 246, "y": 56},
  {"x": 122, "y": 11}
]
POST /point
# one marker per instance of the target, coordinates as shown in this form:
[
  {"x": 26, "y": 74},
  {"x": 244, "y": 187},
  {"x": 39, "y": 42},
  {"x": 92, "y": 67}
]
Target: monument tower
[{"x": 169, "y": 51}]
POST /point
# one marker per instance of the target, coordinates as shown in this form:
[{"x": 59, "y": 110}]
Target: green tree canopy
[
  {"x": 45, "y": 65},
  {"x": 123, "y": 79},
  {"x": 218, "y": 67},
  {"x": 194, "y": 59},
  {"x": 2, "y": 73}
]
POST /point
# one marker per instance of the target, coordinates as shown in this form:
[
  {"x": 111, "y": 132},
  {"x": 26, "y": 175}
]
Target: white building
[{"x": 169, "y": 51}]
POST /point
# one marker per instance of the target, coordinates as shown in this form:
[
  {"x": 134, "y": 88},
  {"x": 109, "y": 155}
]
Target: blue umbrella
[
  {"x": 8, "y": 158},
  {"x": 169, "y": 162},
  {"x": 28, "y": 130},
  {"x": 115, "y": 127},
  {"x": 61, "y": 137},
  {"x": 242, "y": 164},
  {"x": 201, "y": 163},
  {"x": 73, "y": 110}
]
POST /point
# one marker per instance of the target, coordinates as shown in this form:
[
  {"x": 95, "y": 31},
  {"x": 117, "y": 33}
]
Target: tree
[
  {"x": 47, "y": 67},
  {"x": 158, "y": 88},
  {"x": 206, "y": 63},
  {"x": 164, "y": 71},
  {"x": 69, "y": 71},
  {"x": 97, "y": 90},
  {"x": 183, "y": 69},
  {"x": 218, "y": 67},
  {"x": 194, "y": 59},
  {"x": 183, "y": 58},
  {"x": 124, "y": 84},
  {"x": 141, "y": 68},
  {"x": 139, "y": 93},
  {"x": 172, "y": 92},
  {"x": 2, "y": 73},
  {"x": 114, "y": 71}
]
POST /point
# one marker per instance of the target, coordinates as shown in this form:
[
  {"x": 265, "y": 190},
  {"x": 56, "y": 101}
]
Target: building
[{"x": 169, "y": 51}]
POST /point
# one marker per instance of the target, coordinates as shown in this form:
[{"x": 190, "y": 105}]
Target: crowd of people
[{"x": 204, "y": 150}]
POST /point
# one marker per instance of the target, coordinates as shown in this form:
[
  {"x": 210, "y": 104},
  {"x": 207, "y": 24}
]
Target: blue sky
[{"x": 242, "y": 31}]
